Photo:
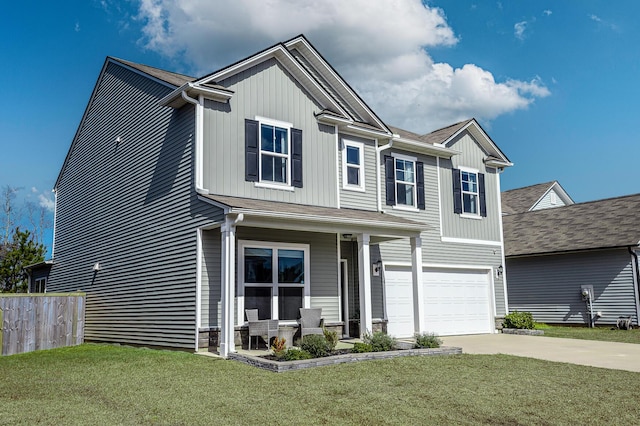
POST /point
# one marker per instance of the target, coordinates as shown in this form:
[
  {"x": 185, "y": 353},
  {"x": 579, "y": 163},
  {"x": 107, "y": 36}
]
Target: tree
[
  {"x": 21, "y": 251},
  {"x": 8, "y": 210}
]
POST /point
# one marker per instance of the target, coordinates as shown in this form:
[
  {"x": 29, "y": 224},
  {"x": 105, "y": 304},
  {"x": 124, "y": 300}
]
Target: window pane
[
  {"x": 291, "y": 266},
  {"x": 258, "y": 298},
  {"x": 257, "y": 265},
  {"x": 353, "y": 176},
  {"x": 408, "y": 171},
  {"x": 266, "y": 143},
  {"x": 405, "y": 194},
  {"x": 469, "y": 203},
  {"x": 353, "y": 155},
  {"x": 281, "y": 142},
  {"x": 289, "y": 303},
  {"x": 267, "y": 167}
]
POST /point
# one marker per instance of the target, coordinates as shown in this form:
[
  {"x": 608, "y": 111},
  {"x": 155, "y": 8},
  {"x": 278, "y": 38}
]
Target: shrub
[
  {"x": 379, "y": 341},
  {"x": 332, "y": 339},
  {"x": 359, "y": 347},
  {"x": 315, "y": 344},
  {"x": 427, "y": 340},
  {"x": 522, "y": 320},
  {"x": 293, "y": 354},
  {"x": 279, "y": 346}
]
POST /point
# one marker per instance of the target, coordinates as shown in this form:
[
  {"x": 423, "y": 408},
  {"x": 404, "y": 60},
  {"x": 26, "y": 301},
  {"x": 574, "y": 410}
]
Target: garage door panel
[{"x": 399, "y": 302}]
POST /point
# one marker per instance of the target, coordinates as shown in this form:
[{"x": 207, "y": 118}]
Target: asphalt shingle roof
[
  {"x": 522, "y": 199},
  {"x": 166, "y": 76},
  {"x": 598, "y": 224}
]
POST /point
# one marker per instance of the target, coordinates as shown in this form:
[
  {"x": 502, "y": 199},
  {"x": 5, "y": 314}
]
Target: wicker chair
[
  {"x": 260, "y": 328},
  {"x": 311, "y": 321}
]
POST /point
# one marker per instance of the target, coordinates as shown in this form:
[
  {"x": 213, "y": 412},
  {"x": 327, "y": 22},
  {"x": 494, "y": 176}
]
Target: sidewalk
[{"x": 613, "y": 355}]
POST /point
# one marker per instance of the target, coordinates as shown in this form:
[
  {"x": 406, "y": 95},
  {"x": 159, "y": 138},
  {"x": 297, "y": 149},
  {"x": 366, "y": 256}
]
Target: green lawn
[
  {"x": 99, "y": 384},
  {"x": 598, "y": 333}
]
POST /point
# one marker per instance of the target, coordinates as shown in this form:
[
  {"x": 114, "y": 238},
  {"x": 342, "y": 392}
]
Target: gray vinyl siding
[
  {"x": 367, "y": 200},
  {"x": 549, "y": 286},
  {"x": 268, "y": 90},
  {"x": 323, "y": 264},
  {"x": 454, "y": 225},
  {"x": 211, "y": 290},
  {"x": 434, "y": 250},
  {"x": 131, "y": 207},
  {"x": 545, "y": 202}
]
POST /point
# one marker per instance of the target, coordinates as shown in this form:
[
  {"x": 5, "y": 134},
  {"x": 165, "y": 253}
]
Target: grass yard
[
  {"x": 597, "y": 333},
  {"x": 100, "y": 384}
]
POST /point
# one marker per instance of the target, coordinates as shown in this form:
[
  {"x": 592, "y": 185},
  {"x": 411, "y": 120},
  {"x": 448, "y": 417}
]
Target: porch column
[
  {"x": 418, "y": 287},
  {"x": 364, "y": 269},
  {"x": 227, "y": 281}
]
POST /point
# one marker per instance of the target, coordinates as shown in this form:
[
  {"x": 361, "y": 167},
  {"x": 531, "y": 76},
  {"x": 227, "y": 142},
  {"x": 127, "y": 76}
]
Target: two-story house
[{"x": 270, "y": 184}]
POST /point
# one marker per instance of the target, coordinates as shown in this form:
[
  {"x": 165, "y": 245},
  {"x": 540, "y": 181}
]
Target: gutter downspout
[
  {"x": 636, "y": 281},
  {"x": 379, "y": 149}
]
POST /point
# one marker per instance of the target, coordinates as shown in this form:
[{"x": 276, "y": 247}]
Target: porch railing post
[
  {"x": 364, "y": 269},
  {"x": 418, "y": 287}
]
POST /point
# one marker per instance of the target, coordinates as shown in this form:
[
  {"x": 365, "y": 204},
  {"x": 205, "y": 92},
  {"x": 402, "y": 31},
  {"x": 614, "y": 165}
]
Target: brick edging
[{"x": 523, "y": 331}]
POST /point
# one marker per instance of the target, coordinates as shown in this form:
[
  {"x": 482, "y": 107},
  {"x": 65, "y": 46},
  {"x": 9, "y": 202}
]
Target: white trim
[
  {"x": 470, "y": 241},
  {"x": 337, "y": 151},
  {"x": 198, "y": 283},
  {"x": 200, "y": 143},
  {"x": 439, "y": 196},
  {"x": 502, "y": 257},
  {"x": 55, "y": 216},
  {"x": 282, "y": 125},
  {"x": 274, "y": 185},
  {"x": 636, "y": 290},
  {"x": 364, "y": 273},
  {"x": 360, "y": 166},
  {"x": 404, "y": 207},
  {"x": 470, "y": 216},
  {"x": 464, "y": 214},
  {"x": 417, "y": 278},
  {"x": 414, "y": 160},
  {"x": 274, "y": 246},
  {"x": 378, "y": 183}
]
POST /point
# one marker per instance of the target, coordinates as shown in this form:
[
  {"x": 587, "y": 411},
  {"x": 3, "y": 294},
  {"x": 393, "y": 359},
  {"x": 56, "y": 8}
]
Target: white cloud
[
  {"x": 34, "y": 190},
  {"x": 380, "y": 48},
  {"x": 519, "y": 29},
  {"x": 547, "y": 12},
  {"x": 603, "y": 23},
  {"x": 46, "y": 201}
]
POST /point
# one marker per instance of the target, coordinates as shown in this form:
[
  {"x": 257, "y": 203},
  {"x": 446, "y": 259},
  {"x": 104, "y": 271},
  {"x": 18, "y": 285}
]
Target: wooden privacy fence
[{"x": 29, "y": 322}]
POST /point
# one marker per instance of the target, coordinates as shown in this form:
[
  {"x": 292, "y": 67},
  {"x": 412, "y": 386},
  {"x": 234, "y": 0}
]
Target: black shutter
[
  {"x": 457, "y": 191},
  {"x": 420, "y": 184},
  {"x": 481, "y": 193},
  {"x": 251, "y": 150},
  {"x": 296, "y": 158},
  {"x": 390, "y": 181}
]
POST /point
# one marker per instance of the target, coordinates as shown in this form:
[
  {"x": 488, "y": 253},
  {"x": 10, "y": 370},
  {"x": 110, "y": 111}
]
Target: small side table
[{"x": 287, "y": 332}]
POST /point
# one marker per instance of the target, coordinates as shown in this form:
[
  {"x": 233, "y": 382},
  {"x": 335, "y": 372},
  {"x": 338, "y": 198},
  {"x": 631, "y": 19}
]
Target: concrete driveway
[{"x": 617, "y": 356}]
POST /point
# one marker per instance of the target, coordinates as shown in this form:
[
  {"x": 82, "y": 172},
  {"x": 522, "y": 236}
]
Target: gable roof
[
  {"x": 169, "y": 77},
  {"x": 592, "y": 225},
  {"x": 525, "y": 199}
]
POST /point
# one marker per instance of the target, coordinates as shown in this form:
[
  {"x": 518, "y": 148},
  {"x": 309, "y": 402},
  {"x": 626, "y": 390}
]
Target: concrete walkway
[{"x": 617, "y": 356}]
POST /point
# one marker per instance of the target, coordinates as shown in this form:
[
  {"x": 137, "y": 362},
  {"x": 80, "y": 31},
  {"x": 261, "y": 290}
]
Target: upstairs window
[
  {"x": 273, "y": 154},
  {"x": 469, "y": 198},
  {"x": 404, "y": 182},
  {"x": 353, "y": 165}
]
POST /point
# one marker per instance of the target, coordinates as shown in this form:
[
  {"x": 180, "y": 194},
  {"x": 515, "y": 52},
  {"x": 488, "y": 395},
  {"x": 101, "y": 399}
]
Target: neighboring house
[
  {"x": 270, "y": 184},
  {"x": 535, "y": 197},
  {"x": 552, "y": 254}
]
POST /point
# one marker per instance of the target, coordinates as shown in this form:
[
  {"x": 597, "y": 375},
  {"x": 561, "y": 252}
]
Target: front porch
[{"x": 276, "y": 261}]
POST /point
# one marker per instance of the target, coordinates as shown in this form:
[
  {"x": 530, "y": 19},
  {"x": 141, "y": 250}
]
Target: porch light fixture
[
  {"x": 499, "y": 271},
  {"x": 97, "y": 267},
  {"x": 377, "y": 267}
]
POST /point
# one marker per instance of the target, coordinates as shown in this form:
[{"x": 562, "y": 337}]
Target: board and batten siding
[
  {"x": 131, "y": 207},
  {"x": 439, "y": 200},
  {"x": 323, "y": 263},
  {"x": 268, "y": 90},
  {"x": 549, "y": 286},
  {"x": 354, "y": 199}
]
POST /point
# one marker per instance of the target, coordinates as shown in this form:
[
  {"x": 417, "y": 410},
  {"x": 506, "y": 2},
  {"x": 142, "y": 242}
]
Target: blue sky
[{"x": 552, "y": 82}]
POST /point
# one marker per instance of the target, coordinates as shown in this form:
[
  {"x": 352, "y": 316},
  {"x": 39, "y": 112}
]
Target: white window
[
  {"x": 405, "y": 176},
  {"x": 470, "y": 195},
  {"x": 40, "y": 285},
  {"x": 353, "y": 165},
  {"x": 273, "y": 278},
  {"x": 275, "y": 160}
]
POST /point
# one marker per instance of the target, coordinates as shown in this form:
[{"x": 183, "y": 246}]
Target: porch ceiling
[{"x": 278, "y": 215}]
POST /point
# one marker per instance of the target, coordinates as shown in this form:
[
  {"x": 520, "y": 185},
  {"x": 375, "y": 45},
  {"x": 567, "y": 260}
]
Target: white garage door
[
  {"x": 399, "y": 302},
  {"x": 457, "y": 301}
]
